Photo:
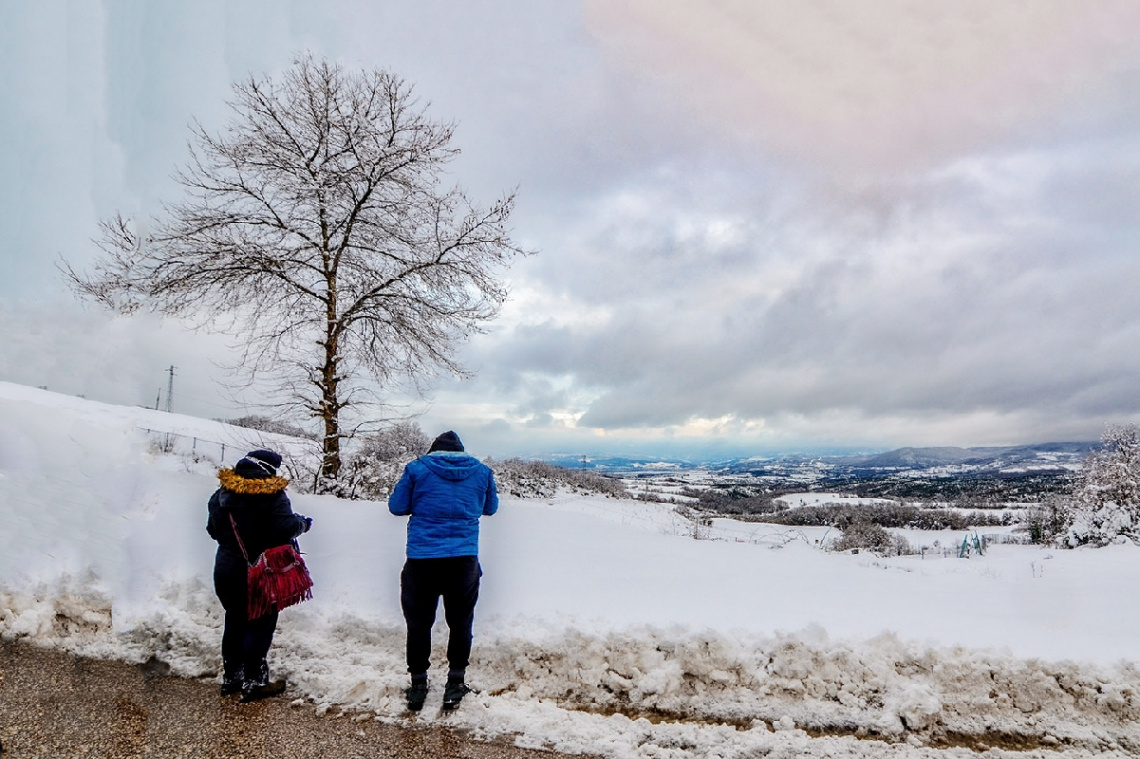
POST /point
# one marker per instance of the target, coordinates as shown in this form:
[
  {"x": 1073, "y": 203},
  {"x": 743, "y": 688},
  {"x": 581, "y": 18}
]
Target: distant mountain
[
  {"x": 1059, "y": 455},
  {"x": 621, "y": 463},
  {"x": 910, "y": 457},
  {"x": 1039, "y": 456}
]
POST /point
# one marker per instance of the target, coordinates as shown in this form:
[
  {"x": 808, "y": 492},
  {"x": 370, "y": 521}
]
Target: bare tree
[{"x": 316, "y": 229}]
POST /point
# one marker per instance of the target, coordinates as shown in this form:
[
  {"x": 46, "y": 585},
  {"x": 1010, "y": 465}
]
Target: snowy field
[
  {"x": 793, "y": 500},
  {"x": 604, "y": 626}
]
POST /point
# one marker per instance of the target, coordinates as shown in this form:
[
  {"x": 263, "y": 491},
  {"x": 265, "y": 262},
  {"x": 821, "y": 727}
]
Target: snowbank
[{"x": 603, "y": 625}]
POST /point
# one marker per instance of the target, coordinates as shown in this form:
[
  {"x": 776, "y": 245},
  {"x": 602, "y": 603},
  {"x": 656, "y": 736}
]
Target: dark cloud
[{"x": 943, "y": 305}]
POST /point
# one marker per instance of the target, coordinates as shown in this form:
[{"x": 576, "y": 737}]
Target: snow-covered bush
[
  {"x": 267, "y": 424},
  {"x": 377, "y": 460},
  {"x": 885, "y": 515},
  {"x": 734, "y": 501},
  {"x": 869, "y": 536},
  {"x": 1106, "y": 502},
  {"x": 1049, "y": 520},
  {"x": 537, "y": 479}
]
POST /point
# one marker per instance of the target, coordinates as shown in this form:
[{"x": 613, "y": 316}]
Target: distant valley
[{"x": 996, "y": 474}]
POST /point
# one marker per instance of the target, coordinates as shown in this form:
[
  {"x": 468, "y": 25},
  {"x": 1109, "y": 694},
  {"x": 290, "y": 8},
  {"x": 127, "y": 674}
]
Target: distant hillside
[
  {"x": 1059, "y": 455},
  {"x": 1039, "y": 455},
  {"x": 911, "y": 457}
]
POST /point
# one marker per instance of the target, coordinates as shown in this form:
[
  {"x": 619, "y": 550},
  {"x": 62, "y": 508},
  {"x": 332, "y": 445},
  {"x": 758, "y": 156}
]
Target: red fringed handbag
[{"x": 277, "y": 580}]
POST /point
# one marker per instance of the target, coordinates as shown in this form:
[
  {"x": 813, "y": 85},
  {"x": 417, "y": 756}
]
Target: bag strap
[{"x": 237, "y": 535}]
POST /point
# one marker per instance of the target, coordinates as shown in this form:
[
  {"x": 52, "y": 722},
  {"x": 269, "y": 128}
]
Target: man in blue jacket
[{"x": 445, "y": 492}]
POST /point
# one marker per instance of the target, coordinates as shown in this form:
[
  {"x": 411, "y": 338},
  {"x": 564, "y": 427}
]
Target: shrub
[
  {"x": 1107, "y": 497},
  {"x": 884, "y": 515},
  {"x": 872, "y": 537},
  {"x": 537, "y": 479},
  {"x": 376, "y": 461},
  {"x": 1049, "y": 521},
  {"x": 734, "y": 501},
  {"x": 653, "y": 497}
]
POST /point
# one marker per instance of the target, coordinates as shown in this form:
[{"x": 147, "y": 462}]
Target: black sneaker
[
  {"x": 416, "y": 694},
  {"x": 257, "y": 691},
  {"x": 454, "y": 693},
  {"x": 232, "y": 684}
]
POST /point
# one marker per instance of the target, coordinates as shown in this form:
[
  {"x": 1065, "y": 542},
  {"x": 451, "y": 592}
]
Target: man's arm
[
  {"x": 491, "y": 498},
  {"x": 400, "y": 501}
]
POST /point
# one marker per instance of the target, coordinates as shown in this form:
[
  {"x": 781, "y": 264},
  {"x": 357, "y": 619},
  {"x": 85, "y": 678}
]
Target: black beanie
[
  {"x": 261, "y": 462},
  {"x": 448, "y": 441}
]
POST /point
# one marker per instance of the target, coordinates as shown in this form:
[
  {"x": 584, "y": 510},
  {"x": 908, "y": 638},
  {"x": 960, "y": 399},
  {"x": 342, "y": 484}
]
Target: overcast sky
[{"x": 761, "y": 226}]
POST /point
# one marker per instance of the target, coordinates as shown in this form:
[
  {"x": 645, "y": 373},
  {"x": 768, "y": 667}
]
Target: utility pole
[{"x": 170, "y": 388}]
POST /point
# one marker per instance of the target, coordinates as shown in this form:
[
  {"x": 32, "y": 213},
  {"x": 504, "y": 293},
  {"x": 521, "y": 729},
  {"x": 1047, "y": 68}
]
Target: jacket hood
[
  {"x": 452, "y": 466},
  {"x": 235, "y": 483}
]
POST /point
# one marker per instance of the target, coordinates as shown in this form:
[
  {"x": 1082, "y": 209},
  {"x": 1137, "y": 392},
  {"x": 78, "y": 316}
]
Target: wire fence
[
  {"x": 215, "y": 451},
  {"x": 192, "y": 445}
]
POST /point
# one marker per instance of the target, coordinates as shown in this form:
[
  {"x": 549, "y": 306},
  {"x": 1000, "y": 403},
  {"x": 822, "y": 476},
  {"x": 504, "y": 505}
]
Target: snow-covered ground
[
  {"x": 603, "y": 625},
  {"x": 820, "y": 499}
]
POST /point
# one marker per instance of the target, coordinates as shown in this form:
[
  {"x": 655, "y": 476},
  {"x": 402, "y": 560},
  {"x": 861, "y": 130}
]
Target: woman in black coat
[{"x": 252, "y": 499}]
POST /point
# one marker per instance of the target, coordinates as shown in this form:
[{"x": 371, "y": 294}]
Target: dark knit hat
[
  {"x": 448, "y": 441},
  {"x": 259, "y": 463}
]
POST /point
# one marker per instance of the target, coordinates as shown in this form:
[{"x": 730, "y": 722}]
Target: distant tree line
[
  {"x": 898, "y": 515},
  {"x": 267, "y": 424},
  {"x": 747, "y": 504},
  {"x": 978, "y": 491},
  {"x": 734, "y": 500},
  {"x": 537, "y": 479}
]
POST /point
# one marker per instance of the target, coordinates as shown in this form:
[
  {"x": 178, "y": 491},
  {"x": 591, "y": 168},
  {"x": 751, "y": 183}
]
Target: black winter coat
[{"x": 261, "y": 510}]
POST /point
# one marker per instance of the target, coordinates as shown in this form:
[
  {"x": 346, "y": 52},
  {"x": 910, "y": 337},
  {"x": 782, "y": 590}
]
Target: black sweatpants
[
  {"x": 245, "y": 642},
  {"x": 422, "y": 583}
]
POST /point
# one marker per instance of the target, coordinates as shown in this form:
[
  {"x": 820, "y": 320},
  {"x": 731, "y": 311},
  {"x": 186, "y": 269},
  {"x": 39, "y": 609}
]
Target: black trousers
[
  {"x": 245, "y": 642},
  {"x": 422, "y": 583}
]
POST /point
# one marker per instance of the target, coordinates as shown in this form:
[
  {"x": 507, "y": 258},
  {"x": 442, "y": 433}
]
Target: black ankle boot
[
  {"x": 454, "y": 692},
  {"x": 258, "y": 685},
  {"x": 416, "y": 693},
  {"x": 232, "y": 682}
]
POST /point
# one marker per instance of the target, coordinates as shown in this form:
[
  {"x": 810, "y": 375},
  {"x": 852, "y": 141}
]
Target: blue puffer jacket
[{"x": 445, "y": 493}]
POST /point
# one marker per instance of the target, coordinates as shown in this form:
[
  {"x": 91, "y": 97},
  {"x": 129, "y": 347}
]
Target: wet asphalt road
[{"x": 56, "y": 705}]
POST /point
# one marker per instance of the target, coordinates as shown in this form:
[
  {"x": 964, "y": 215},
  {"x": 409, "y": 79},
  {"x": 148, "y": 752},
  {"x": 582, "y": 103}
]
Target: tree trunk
[
  {"x": 330, "y": 402},
  {"x": 330, "y": 462}
]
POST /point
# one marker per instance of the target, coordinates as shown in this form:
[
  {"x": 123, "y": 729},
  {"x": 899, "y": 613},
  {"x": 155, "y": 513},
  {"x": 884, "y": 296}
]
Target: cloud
[
  {"x": 873, "y": 85},
  {"x": 966, "y": 293},
  {"x": 758, "y": 223}
]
